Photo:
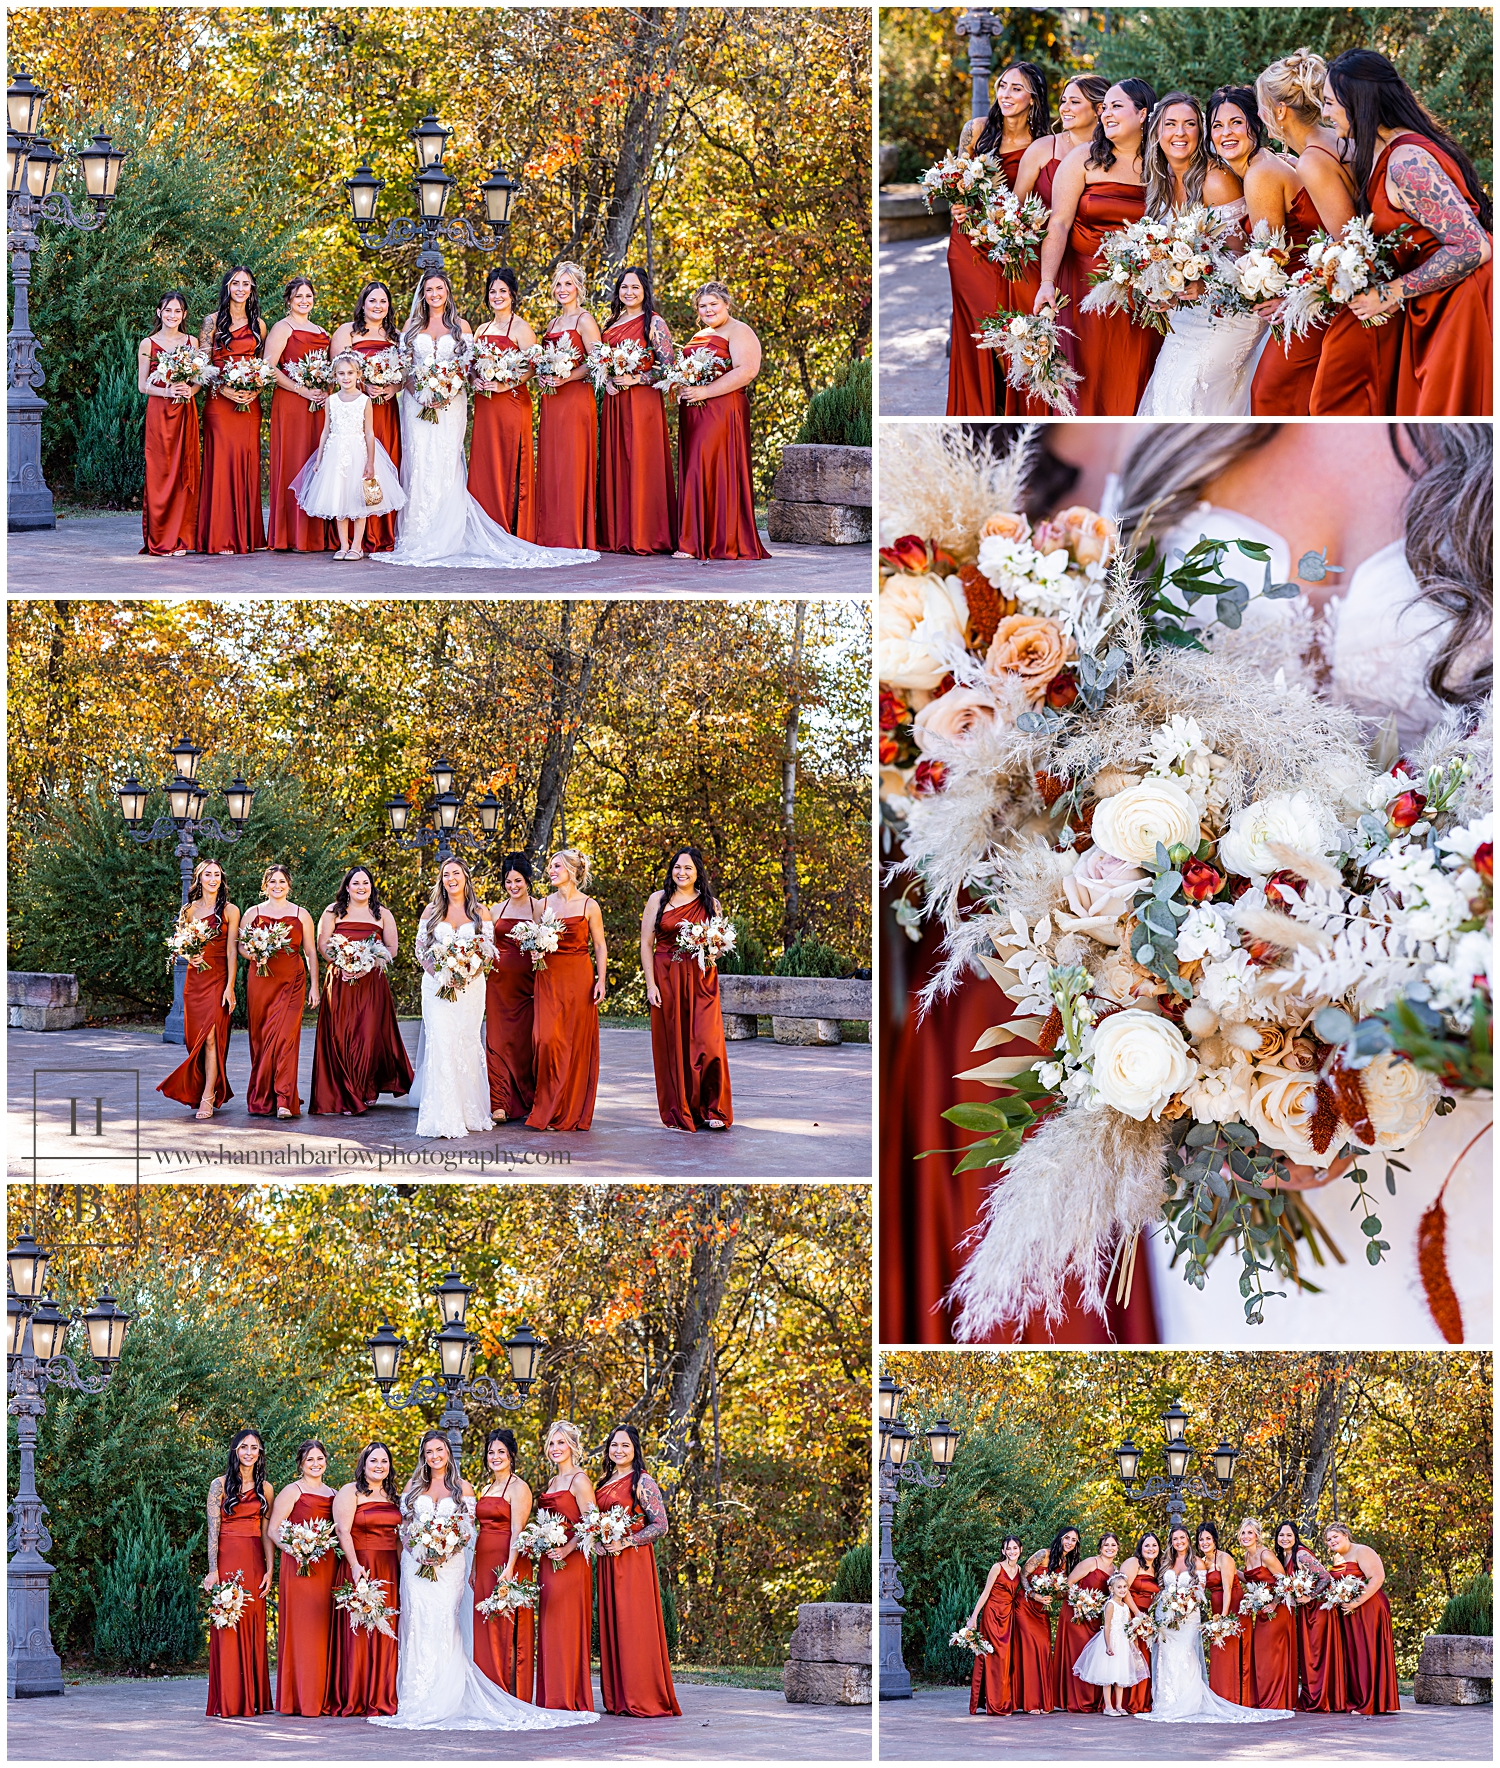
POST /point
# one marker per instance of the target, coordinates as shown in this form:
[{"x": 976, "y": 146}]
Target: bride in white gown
[
  {"x": 442, "y": 524},
  {"x": 451, "y": 1088},
  {"x": 1179, "y": 1678},
  {"x": 437, "y": 1685}
]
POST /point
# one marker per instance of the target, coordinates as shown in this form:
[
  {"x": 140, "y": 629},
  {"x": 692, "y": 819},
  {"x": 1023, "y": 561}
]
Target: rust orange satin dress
[
  {"x": 229, "y": 508},
  {"x": 975, "y": 377},
  {"x": 1446, "y": 344},
  {"x": 1369, "y": 1652},
  {"x": 509, "y": 1013},
  {"x": 502, "y": 464},
  {"x": 1144, "y": 1589},
  {"x": 296, "y": 430},
  {"x": 637, "y": 483},
  {"x": 305, "y": 1618},
  {"x": 380, "y": 531},
  {"x": 1321, "y": 1672},
  {"x": 1360, "y": 364},
  {"x": 1068, "y": 1693},
  {"x": 205, "y": 1017},
  {"x": 363, "y": 1676},
  {"x": 565, "y": 1034},
  {"x": 1284, "y": 378},
  {"x": 564, "y": 1614},
  {"x": 239, "y": 1672},
  {"x": 717, "y": 506},
  {"x": 1224, "y": 1660},
  {"x": 567, "y": 450},
  {"x": 1031, "y": 1654},
  {"x": 169, "y": 502},
  {"x": 1115, "y": 355},
  {"x": 635, "y": 1670},
  {"x": 1268, "y": 1652},
  {"x": 504, "y": 1645},
  {"x": 357, "y": 1053},
  {"x": 1020, "y": 296},
  {"x": 274, "y": 1006},
  {"x": 687, "y": 1032},
  {"x": 992, "y": 1684}
]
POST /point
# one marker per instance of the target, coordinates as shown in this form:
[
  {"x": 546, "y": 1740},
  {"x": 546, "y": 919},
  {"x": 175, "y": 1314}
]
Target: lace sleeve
[
  {"x": 487, "y": 939},
  {"x": 648, "y": 1496},
  {"x": 423, "y": 947}
]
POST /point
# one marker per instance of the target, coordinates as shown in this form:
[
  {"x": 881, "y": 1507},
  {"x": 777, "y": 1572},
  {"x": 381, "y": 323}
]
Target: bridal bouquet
[
  {"x": 1260, "y": 274},
  {"x": 227, "y": 1602},
  {"x": 614, "y": 1527},
  {"x": 387, "y": 369},
  {"x": 1087, "y": 1605},
  {"x": 1343, "y": 1591},
  {"x": 1334, "y": 271},
  {"x": 1150, "y": 266},
  {"x": 458, "y": 960},
  {"x": 436, "y": 384},
  {"x": 313, "y": 370},
  {"x": 704, "y": 941},
  {"x": 1295, "y": 1588},
  {"x": 495, "y": 370},
  {"x": 537, "y": 938},
  {"x": 1010, "y": 230},
  {"x": 308, "y": 1542},
  {"x": 508, "y": 1598},
  {"x": 629, "y": 356},
  {"x": 694, "y": 368},
  {"x": 1218, "y": 1628},
  {"x": 1176, "y": 1607},
  {"x": 545, "y": 1533},
  {"x": 1046, "y": 1587},
  {"x": 353, "y": 958},
  {"x": 963, "y": 181},
  {"x": 187, "y": 940},
  {"x": 184, "y": 365},
  {"x": 241, "y": 374},
  {"x": 1035, "y": 364},
  {"x": 971, "y": 1639},
  {"x": 262, "y": 940},
  {"x": 364, "y": 1604},
  {"x": 435, "y": 1533},
  {"x": 554, "y": 363},
  {"x": 1142, "y": 1629},
  {"x": 1259, "y": 1599}
]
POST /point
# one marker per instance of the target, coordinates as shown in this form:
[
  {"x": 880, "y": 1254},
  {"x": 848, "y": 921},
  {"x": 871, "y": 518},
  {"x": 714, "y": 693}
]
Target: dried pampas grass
[{"x": 941, "y": 483}]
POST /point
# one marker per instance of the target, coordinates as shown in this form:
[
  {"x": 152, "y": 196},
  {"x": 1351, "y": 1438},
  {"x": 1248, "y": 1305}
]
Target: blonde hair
[
  {"x": 570, "y": 1435},
  {"x": 276, "y": 866},
  {"x": 1161, "y": 199},
  {"x": 713, "y": 288},
  {"x": 349, "y": 356},
  {"x": 1256, "y": 1527},
  {"x": 437, "y": 903},
  {"x": 566, "y": 267},
  {"x": 577, "y": 864},
  {"x": 1118, "y": 1578},
  {"x": 1296, "y": 81}
]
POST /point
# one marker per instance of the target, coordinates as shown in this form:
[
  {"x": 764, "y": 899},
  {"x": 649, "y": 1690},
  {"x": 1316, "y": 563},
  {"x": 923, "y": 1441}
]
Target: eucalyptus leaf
[{"x": 1280, "y": 592}]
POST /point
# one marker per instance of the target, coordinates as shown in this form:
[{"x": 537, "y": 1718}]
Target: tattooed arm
[
  {"x": 215, "y": 1511},
  {"x": 1425, "y": 192}
]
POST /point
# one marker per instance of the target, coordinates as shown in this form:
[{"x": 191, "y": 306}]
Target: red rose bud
[
  {"x": 1283, "y": 881},
  {"x": 1262, "y": 951},
  {"x": 1062, "y": 690},
  {"x": 910, "y": 553},
  {"x": 1484, "y": 862},
  {"x": 1200, "y": 881},
  {"x": 1406, "y": 810},
  {"x": 1237, "y": 887},
  {"x": 890, "y": 751},
  {"x": 893, "y": 710},
  {"x": 943, "y": 562},
  {"x": 929, "y": 778},
  {"x": 945, "y": 686}
]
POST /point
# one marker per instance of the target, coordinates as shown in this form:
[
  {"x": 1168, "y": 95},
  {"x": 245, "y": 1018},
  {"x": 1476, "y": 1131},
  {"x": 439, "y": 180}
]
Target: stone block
[
  {"x": 788, "y": 1030},
  {"x": 818, "y": 524},
  {"x": 903, "y": 214},
  {"x": 740, "y": 1026},
  {"x": 832, "y": 1632},
  {"x": 44, "y": 1018},
  {"x": 1457, "y": 1654},
  {"x": 821, "y": 997},
  {"x": 890, "y": 156},
  {"x": 1450, "y": 1691},
  {"x": 40, "y": 988},
  {"x": 825, "y": 472},
  {"x": 826, "y": 1685}
]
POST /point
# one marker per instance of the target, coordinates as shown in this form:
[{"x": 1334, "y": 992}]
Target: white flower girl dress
[{"x": 332, "y": 484}]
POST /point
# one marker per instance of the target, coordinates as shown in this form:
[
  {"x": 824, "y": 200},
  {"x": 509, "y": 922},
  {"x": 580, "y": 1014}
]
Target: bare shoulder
[
  {"x": 1222, "y": 186},
  {"x": 654, "y": 899}
]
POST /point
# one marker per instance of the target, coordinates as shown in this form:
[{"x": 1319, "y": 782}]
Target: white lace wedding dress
[
  {"x": 451, "y": 1089},
  {"x": 1206, "y": 365},
  {"x": 437, "y": 1686},
  {"x": 442, "y": 524},
  {"x": 1180, "y": 1693}
]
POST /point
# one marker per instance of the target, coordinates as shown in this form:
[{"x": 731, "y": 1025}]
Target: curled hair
[
  {"x": 173, "y": 295},
  {"x": 233, "y": 1487},
  {"x": 1154, "y": 1567},
  {"x": 703, "y": 885},
  {"x": 570, "y": 1435},
  {"x": 1192, "y": 1545},
  {"x": 719, "y": 290},
  {"x": 1449, "y": 542},
  {"x": 1108, "y": 1535},
  {"x": 271, "y": 871},
  {"x": 566, "y": 267},
  {"x": 1057, "y": 1560},
  {"x": 638, "y": 1461},
  {"x": 195, "y": 892},
  {"x": 508, "y": 1438},
  {"x": 421, "y": 1478},
  {"x": 617, "y": 306},
  {"x": 1208, "y": 1528},
  {"x": 1295, "y": 81},
  {"x": 1290, "y": 1562},
  {"x": 1257, "y": 1527},
  {"x": 1092, "y": 86},
  {"x": 1038, "y": 118},
  {"x": 341, "y": 900},
  {"x": 388, "y": 1484},
  {"x": 1101, "y": 149},
  {"x": 437, "y": 903},
  {"x": 223, "y": 323},
  {"x": 1243, "y": 100},
  {"x": 303, "y": 1449},
  {"x": 1161, "y": 197},
  {"x": 577, "y": 865},
  {"x": 422, "y": 318},
  {"x": 298, "y": 282},
  {"x": 360, "y": 324},
  {"x": 504, "y": 273}
]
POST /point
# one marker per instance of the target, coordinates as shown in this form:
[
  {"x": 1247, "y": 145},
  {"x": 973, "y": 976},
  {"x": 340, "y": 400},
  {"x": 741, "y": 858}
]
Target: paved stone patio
[
  {"x": 915, "y": 313},
  {"x": 800, "y": 1113}
]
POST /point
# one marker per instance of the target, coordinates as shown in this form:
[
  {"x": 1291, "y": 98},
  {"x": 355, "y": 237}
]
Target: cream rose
[
  {"x": 1130, "y": 824},
  {"x": 1099, "y": 889},
  {"x": 1281, "y": 1109},
  {"x": 1089, "y": 537},
  {"x": 1400, "y": 1098},
  {"x": 918, "y": 621},
  {"x": 952, "y": 716},
  {"x": 1139, "y": 1062},
  {"x": 1288, "y": 819},
  {"x": 1027, "y": 646}
]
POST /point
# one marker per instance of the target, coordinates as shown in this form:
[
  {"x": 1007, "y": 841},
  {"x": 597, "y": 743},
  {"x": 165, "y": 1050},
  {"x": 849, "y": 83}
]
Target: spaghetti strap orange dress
[
  {"x": 305, "y": 1619},
  {"x": 239, "y": 1671},
  {"x": 1115, "y": 355},
  {"x": 637, "y": 484},
  {"x": 992, "y": 1686},
  {"x": 380, "y": 531},
  {"x": 274, "y": 1006},
  {"x": 687, "y": 1031},
  {"x": 976, "y": 378},
  {"x": 566, "y": 459},
  {"x": 504, "y": 1645},
  {"x": 566, "y": 1033},
  {"x": 502, "y": 464},
  {"x": 565, "y": 1610},
  {"x": 363, "y": 1677},
  {"x": 229, "y": 507},
  {"x": 1020, "y": 297},
  {"x": 1284, "y": 378},
  {"x": 717, "y": 507},
  {"x": 1225, "y": 1670},
  {"x": 635, "y": 1671},
  {"x": 296, "y": 430},
  {"x": 205, "y": 1018},
  {"x": 357, "y": 1053},
  {"x": 509, "y": 1015},
  {"x": 169, "y": 501},
  {"x": 1268, "y": 1652}
]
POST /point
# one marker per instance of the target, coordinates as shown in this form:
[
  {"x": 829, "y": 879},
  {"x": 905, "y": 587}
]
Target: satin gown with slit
[
  {"x": 230, "y": 518},
  {"x": 169, "y": 499},
  {"x": 637, "y": 484},
  {"x": 1321, "y": 1674},
  {"x": 976, "y": 378},
  {"x": 358, "y": 1053},
  {"x": 274, "y": 1005},
  {"x": 567, "y": 449},
  {"x": 385, "y": 415},
  {"x": 1268, "y": 1654},
  {"x": 509, "y": 1012},
  {"x": 1144, "y": 1590},
  {"x": 687, "y": 1032},
  {"x": 717, "y": 506},
  {"x": 566, "y": 1033},
  {"x": 1225, "y": 1669},
  {"x": 1369, "y": 1652},
  {"x": 205, "y": 1021},
  {"x": 992, "y": 1684},
  {"x": 296, "y": 428},
  {"x": 564, "y": 1614},
  {"x": 1020, "y": 296},
  {"x": 1032, "y": 1654},
  {"x": 502, "y": 461},
  {"x": 1068, "y": 1693},
  {"x": 635, "y": 1670},
  {"x": 1284, "y": 376},
  {"x": 363, "y": 1676},
  {"x": 1115, "y": 355},
  {"x": 305, "y": 1620},
  {"x": 239, "y": 1671},
  {"x": 504, "y": 1645}
]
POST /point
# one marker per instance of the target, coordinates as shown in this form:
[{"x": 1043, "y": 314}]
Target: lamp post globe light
[
  {"x": 36, "y": 1335},
  {"x": 31, "y": 168},
  {"x": 1177, "y": 1484},
  {"x": 185, "y": 818},
  {"x": 432, "y": 186},
  {"x": 444, "y": 808},
  {"x": 896, "y": 1470}
]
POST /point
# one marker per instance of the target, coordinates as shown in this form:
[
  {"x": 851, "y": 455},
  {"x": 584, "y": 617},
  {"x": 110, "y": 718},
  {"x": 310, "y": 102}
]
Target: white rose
[
  {"x": 1290, "y": 819},
  {"x": 1400, "y": 1098},
  {"x": 1282, "y": 1102},
  {"x": 1130, "y": 824},
  {"x": 1139, "y": 1062},
  {"x": 918, "y": 621},
  {"x": 1018, "y": 327},
  {"x": 1099, "y": 889}
]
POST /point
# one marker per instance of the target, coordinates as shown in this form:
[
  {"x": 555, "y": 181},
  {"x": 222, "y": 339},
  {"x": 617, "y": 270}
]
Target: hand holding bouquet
[
  {"x": 965, "y": 182},
  {"x": 353, "y": 958},
  {"x": 1296, "y": 1588},
  {"x": 972, "y": 1640},
  {"x": 436, "y": 384},
  {"x": 308, "y": 1542},
  {"x": 435, "y": 1533},
  {"x": 611, "y": 361},
  {"x": 243, "y": 374},
  {"x": 1155, "y": 264},
  {"x": 1047, "y": 1587},
  {"x": 261, "y": 941},
  {"x": 186, "y": 367},
  {"x": 694, "y": 368},
  {"x": 458, "y": 959},
  {"x": 1176, "y": 1607},
  {"x": 1035, "y": 364},
  {"x": 1259, "y": 1599},
  {"x": 386, "y": 370},
  {"x": 1142, "y": 1629},
  {"x": 545, "y": 1533},
  {"x": 1087, "y": 1605},
  {"x": 704, "y": 941},
  {"x": 1343, "y": 1591},
  {"x": 188, "y": 939},
  {"x": 508, "y": 1598},
  {"x": 1218, "y": 1628},
  {"x": 313, "y": 371},
  {"x": 1010, "y": 231},
  {"x": 555, "y": 362},
  {"x": 586, "y": 1533},
  {"x": 366, "y": 1607},
  {"x": 614, "y": 1528},
  {"x": 537, "y": 938},
  {"x": 493, "y": 369},
  {"x": 1335, "y": 270},
  {"x": 227, "y": 1601}
]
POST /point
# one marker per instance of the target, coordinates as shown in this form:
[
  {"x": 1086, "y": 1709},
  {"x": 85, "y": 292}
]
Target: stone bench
[
  {"x": 1455, "y": 1670},
  {"x": 39, "y": 1000},
  {"x": 802, "y": 1009},
  {"x": 903, "y": 214},
  {"x": 828, "y": 1658},
  {"x": 822, "y": 495}
]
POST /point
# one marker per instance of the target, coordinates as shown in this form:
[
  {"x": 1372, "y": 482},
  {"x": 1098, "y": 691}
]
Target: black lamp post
[
  {"x": 184, "y": 817},
  {"x": 455, "y": 1381},
  {"x": 36, "y": 1334},
  {"x": 896, "y": 1469},
  {"x": 432, "y": 187},
  {"x": 31, "y": 168},
  {"x": 444, "y": 807},
  {"x": 1177, "y": 1485}
]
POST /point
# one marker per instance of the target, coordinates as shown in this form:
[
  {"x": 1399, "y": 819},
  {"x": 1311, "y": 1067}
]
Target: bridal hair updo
[
  {"x": 570, "y": 1435},
  {"x": 1256, "y": 1528},
  {"x": 195, "y": 892},
  {"x": 1160, "y": 195},
  {"x": 1038, "y": 118},
  {"x": 516, "y": 862},
  {"x": 1142, "y": 94},
  {"x": 1295, "y": 81},
  {"x": 566, "y": 267},
  {"x": 1244, "y": 101},
  {"x": 1091, "y": 86},
  {"x": 360, "y": 324},
  {"x": 577, "y": 864},
  {"x": 420, "y": 320},
  {"x": 421, "y": 1478}
]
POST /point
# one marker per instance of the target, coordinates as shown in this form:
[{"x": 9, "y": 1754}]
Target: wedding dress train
[{"x": 1179, "y": 1680}]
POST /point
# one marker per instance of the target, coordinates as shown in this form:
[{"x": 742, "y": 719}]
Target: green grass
[{"x": 763, "y": 1676}]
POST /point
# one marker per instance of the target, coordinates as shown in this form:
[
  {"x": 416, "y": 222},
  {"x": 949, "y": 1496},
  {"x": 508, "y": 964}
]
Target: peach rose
[
  {"x": 953, "y": 715},
  {"x": 1028, "y": 646},
  {"x": 1008, "y": 525},
  {"x": 1092, "y": 539}
]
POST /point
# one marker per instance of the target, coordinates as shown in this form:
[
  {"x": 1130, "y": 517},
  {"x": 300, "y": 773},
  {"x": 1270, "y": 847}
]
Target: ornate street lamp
[
  {"x": 35, "y": 1340},
  {"x": 979, "y": 28},
  {"x": 445, "y": 807},
  {"x": 187, "y": 820},
  {"x": 896, "y": 1439},
  {"x": 31, "y": 168},
  {"x": 1178, "y": 1484}
]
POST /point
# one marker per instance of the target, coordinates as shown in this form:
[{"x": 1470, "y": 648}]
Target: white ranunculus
[
  {"x": 919, "y": 622},
  {"x": 1139, "y": 1061},
  {"x": 1400, "y": 1098},
  {"x": 1130, "y": 824},
  {"x": 1220, "y": 1095},
  {"x": 1203, "y": 933},
  {"x": 1282, "y": 1102},
  {"x": 1099, "y": 889},
  {"x": 1290, "y": 819}
]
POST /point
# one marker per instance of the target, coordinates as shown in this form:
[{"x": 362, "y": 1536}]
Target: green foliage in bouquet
[
  {"x": 842, "y": 413},
  {"x": 852, "y": 1581},
  {"x": 1421, "y": 1036},
  {"x": 147, "y": 1615},
  {"x": 1472, "y": 1610}
]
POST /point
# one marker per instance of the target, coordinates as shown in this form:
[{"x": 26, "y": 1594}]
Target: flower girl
[
  {"x": 1111, "y": 1658},
  {"x": 350, "y": 466}
]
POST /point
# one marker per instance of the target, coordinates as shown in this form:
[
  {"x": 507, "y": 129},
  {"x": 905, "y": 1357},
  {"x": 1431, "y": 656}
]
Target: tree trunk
[
  {"x": 572, "y": 678},
  {"x": 1323, "y": 1437},
  {"x": 791, "y": 919},
  {"x": 717, "y": 1213},
  {"x": 653, "y": 57}
]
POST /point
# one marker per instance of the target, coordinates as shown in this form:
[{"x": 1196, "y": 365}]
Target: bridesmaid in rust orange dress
[
  {"x": 1225, "y": 1675},
  {"x": 510, "y": 998},
  {"x": 169, "y": 502},
  {"x": 367, "y": 1514},
  {"x": 229, "y": 507},
  {"x": 305, "y": 1618},
  {"x": 565, "y": 1607},
  {"x": 1143, "y": 1568},
  {"x": 716, "y": 510},
  {"x": 358, "y": 1054},
  {"x": 1369, "y": 1645},
  {"x": 502, "y": 466},
  {"x": 1032, "y": 1654},
  {"x": 1096, "y": 193},
  {"x": 566, "y": 1010},
  {"x": 1070, "y": 1695},
  {"x": 296, "y": 422},
  {"x": 274, "y": 999},
  {"x": 1322, "y": 1683},
  {"x": 992, "y": 1687},
  {"x": 635, "y": 1672},
  {"x": 239, "y": 1508},
  {"x": 1018, "y": 116},
  {"x": 1268, "y": 1645},
  {"x": 504, "y": 1645},
  {"x": 370, "y": 333},
  {"x": 687, "y": 1027},
  {"x": 637, "y": 483},
  {"x": 568, "y": 441},
  {"x": 201, "y": 1079},
  {"x": 976, "y": 286}
]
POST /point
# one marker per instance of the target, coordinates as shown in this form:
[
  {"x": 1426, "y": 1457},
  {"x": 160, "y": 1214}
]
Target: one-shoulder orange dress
[
  {"x": 205, "y": 1019},
  {"x": 687, "y": 1031},
  {"x": 229, "y": 508},
  {"x": 717, "y": 506},
  {"x": 637, "y": 486},
  {"x": 169, "y": 502},
  {"x": 296, "y": 430},
  {"x": 635, "y": 1670},
  {"x": 502, "y": 464}
]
